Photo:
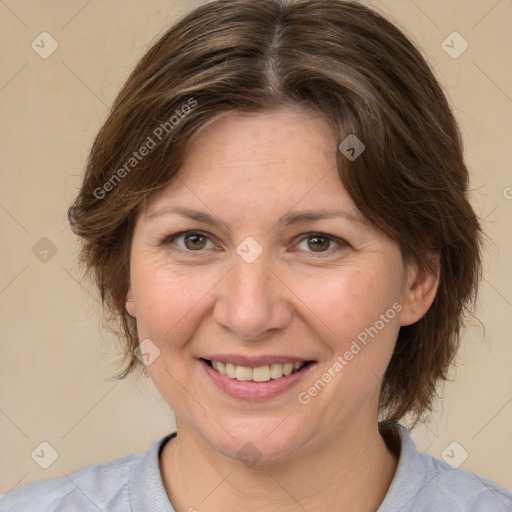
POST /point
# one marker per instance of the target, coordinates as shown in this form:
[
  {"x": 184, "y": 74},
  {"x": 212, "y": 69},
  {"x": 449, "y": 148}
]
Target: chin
[{"x": 258, "y": 440}]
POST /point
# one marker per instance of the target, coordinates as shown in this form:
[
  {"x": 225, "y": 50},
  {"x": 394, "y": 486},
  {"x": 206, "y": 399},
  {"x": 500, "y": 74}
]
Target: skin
[{"x": 295, "y": 299}]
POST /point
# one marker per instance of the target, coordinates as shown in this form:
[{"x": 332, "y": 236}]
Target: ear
[
  {"x": 130, "y": 304},
  {"x": 420, "y": 291}
]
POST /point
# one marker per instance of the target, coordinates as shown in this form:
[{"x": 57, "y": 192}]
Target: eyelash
[{"x": 341, "y": 243}]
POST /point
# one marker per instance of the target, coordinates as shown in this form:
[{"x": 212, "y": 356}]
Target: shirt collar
[
  {"x": 410, "y": 476},
  {"x": 147, "y": 490}
]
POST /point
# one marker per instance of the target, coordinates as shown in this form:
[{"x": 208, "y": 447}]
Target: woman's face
[{"x": 253, "y": 282}]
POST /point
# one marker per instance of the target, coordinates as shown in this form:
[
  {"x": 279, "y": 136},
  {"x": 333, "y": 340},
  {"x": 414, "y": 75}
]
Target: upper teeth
[{"x": 258, "y": 374}]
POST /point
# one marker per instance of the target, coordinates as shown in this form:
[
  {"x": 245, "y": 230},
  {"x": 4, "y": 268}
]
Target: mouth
[
  {"x": 264, "y": 373},
  {"x": 255, "y": 379}
]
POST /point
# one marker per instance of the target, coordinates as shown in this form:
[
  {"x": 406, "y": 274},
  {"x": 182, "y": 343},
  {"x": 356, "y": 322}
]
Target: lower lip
[{"x": 255, "y": 391}]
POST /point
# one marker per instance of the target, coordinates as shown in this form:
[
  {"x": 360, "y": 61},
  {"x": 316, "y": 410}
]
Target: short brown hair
[{"x": 364, "y": 75}]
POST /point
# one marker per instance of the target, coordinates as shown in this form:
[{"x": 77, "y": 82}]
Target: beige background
[{"x": 57, "y": 360}]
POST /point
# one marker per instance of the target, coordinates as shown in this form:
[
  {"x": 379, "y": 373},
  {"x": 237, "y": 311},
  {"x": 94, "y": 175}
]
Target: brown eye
[
  {"x": 187, "y": 241},
  {"x": 195, "y": 241},
  {"x": 318, "y": 243}
]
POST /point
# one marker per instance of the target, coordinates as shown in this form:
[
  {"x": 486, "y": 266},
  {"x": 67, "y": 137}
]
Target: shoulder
[
  {"x": 90, "y": 488},
  {"x": 423, "y": 483},
  {"x": 132, "y": 482},
  {"x": 462, "y": 490}
]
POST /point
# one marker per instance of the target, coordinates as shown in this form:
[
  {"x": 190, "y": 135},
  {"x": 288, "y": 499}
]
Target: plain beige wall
[{"x": 57, "y": 360}]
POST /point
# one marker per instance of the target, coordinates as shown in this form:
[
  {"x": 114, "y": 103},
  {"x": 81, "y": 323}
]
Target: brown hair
[{"x": 362, "y": 73}]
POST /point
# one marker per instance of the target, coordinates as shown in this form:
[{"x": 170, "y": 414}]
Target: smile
[
  {"x": 258, "y": 374},
  {"x": 258, "y": 382}
]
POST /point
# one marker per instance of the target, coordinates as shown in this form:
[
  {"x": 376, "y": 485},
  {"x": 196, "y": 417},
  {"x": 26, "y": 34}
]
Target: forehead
[
  {"x": 285, "y": 135},
  {"x": 279, "y": 157}
]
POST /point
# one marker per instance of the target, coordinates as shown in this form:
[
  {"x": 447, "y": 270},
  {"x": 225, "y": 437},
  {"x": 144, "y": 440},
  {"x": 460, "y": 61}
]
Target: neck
[{"x": 355, "y": 468}]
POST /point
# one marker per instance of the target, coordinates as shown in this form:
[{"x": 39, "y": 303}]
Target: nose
[{"x": 253, "y": 300}]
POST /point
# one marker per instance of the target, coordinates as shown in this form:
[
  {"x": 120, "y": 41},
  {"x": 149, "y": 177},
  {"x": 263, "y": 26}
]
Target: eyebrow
[{"x": 289, "y": 219}]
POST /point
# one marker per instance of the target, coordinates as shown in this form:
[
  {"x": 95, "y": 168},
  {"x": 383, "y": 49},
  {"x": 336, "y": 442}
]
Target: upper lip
[{"x": 254, "y": 361}]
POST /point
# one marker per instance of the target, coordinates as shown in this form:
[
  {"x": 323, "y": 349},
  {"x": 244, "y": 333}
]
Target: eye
[
  {"x": 320, "y": 242},
  {"x": 196, "y": 241},
  {"x": 193, "y": 241}
]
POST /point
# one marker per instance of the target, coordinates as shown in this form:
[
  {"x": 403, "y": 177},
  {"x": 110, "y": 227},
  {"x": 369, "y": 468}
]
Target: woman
[{"x": 276, "y": 211}]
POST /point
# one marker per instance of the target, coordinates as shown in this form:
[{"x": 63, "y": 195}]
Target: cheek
[
  {"x": 345, "y": 304},
  {"x": 169, "y": 299},
  {"x": 360, "y": 312}
]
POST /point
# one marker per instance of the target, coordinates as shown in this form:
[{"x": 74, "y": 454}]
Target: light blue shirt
[{"x": 134, "y": 484}]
